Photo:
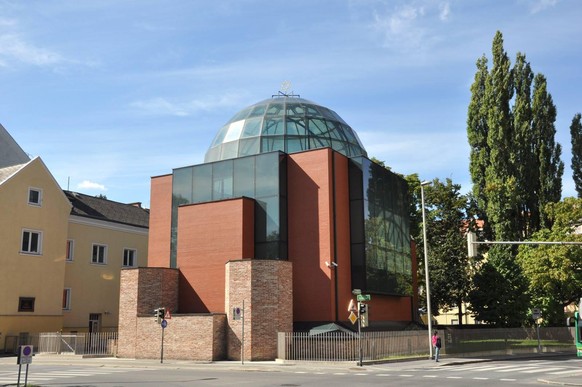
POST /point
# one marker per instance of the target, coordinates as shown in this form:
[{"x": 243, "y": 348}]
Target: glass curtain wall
[
  {"x": 262, "y": 177},
  {"x": 380, "y": 236}
]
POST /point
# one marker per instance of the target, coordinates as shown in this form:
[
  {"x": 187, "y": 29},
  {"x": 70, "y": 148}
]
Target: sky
[{"x": 112, "y": 92}]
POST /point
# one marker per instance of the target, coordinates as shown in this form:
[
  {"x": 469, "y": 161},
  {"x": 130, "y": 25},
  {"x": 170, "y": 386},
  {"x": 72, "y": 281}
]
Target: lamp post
[{"x": 426, "y": 268}]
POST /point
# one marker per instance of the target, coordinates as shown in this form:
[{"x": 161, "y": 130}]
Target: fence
[
  {"x": 345, "y": 346},
  {"x": 88, "y": 344}
]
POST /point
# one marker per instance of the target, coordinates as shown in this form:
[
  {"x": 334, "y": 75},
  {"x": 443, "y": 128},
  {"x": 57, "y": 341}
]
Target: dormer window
[{"x": 35, "y": 196}]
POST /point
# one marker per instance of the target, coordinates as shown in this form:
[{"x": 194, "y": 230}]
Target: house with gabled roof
[{"x": 61, "y": 252}]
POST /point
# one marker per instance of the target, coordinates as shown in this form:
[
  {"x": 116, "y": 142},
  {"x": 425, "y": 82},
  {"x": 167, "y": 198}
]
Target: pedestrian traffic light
[{"x": 363, "y": 314}]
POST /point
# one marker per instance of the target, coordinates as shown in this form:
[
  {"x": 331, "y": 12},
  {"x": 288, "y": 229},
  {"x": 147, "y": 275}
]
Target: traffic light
[
  {"x": 159, "y": 314},
  {"x": 363, "y": 314}
]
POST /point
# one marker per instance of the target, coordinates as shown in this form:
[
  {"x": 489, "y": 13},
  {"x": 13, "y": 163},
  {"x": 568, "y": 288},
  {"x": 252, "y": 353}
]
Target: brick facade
[{"x": 266, "y": 288}]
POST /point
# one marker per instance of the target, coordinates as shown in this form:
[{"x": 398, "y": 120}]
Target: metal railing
[
  {"x": 344, "y": 346},
  {"x": 88, "y": 344}
]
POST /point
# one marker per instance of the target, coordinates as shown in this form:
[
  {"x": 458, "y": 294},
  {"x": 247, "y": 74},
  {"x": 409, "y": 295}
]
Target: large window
[
  {"x": 129, "y": 257},
  {"x": 99, "y": 255},
  {"x": 262, "y": 177},
  {"x": 380, "y": 236},
  {"x": 31, "y": 242}
]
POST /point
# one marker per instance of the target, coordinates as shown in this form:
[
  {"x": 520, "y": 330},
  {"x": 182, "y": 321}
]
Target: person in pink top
[{"x": 436, "y": 344}]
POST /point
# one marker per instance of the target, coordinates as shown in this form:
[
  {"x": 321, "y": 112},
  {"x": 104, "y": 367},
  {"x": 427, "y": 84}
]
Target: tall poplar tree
[
  {"x": 548, "y": 152},
  {"x": 576, "y": 138}
]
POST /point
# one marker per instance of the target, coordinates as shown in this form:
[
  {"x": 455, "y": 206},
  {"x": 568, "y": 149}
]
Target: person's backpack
[{"x": 438, "y": 343}]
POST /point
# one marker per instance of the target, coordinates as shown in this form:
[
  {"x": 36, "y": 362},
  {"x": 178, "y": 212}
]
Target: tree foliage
[
  {"x": 576, "y": 136},
  {"x": 516, "y": 170},
  {"x": 555, "y": 271}
]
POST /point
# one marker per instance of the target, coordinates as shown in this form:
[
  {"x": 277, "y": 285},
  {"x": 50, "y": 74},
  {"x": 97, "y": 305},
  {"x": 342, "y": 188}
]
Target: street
[{"x": 113, "y": 372}]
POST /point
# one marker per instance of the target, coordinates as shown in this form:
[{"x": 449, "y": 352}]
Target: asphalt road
[{"x": 115, "y": 373}]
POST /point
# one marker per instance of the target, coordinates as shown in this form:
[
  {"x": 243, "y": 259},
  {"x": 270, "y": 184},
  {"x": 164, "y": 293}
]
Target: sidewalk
[{"x": 573, "y": 379}]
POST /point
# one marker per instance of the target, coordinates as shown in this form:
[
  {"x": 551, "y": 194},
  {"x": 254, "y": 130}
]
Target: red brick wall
[
  {"x": 266, "y": 288},
  {"x": 310, "y": 234},
  {"x": 160, "y": 221},
  {"x": 209, "y": 235},
  {"x": 190, "y": 337}
]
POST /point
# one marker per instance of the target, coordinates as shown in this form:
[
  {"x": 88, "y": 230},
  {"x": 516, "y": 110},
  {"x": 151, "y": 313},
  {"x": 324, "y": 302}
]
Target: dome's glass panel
[{"x": 287, "y": 124}]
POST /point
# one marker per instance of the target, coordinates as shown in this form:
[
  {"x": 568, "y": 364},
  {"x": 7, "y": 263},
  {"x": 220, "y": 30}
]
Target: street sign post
[{"x": 364, "y": 297}]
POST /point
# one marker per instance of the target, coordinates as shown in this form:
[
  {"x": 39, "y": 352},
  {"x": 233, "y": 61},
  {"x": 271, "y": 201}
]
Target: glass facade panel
[
  {"x": 249, "y": 146},
  {"x": 274, "y": 126},
  {"x": 296, "y": 126},
  {"x": 383, "y": 264},
  {"x": 252, "y": 127},
  {"x": 202, "y": 183},
  {"x": 296, "y": 144},
  {"x": 272, "y": 144},
  {"x": 229, "y": 150},
  {"x": 262, "y": 177},
  {"x": 244, "y": 177},
  {"x": 222, "y": 180}
]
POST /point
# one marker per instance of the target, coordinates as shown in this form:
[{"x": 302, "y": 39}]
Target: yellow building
[
  {"x": 34, "y": 214},
  {"x": 61, "y": 252},
  {"x": 104, "y": 237}
]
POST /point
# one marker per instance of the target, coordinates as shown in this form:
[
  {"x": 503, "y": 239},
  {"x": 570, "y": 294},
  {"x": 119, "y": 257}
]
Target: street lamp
[{"x": 426, "y": 267}]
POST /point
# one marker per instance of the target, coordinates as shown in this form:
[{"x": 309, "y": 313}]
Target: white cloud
[
  {"x": 540, "y": 5},
  {"x": 161, "y": 106},
  {"x": 86, "y": 184},
  {"x": 445, "y": 11},
  {"x": 13, "y": 48}
]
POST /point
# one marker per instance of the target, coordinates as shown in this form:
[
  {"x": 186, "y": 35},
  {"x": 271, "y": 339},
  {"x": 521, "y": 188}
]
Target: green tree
[
  {"x": 576, "y": 138},
  {"x": 449, "y": 266},
  {"x": 548, "y": 152},
  {"x": 555, "y": 271}
]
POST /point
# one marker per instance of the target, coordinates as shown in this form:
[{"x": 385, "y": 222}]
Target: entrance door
[{"x": 94, "y": 322}]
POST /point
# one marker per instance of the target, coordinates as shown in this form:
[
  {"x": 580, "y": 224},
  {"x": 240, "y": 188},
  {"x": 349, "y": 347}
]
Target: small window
[
  {"x": 31, "y": 242},
  {"x": 26, "y": 304},
  {"x": 70, "y": 250},
  {"x": 67, "y": 299},
  {"x": 129, "y": 257},
  {"x": 34, "y": 196},
  {"x": 99, "y": 255}
]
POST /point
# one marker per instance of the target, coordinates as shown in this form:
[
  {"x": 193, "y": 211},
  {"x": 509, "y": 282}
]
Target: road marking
[
  {"x": 516, "y": 369},
  {"x": 454, "y": 377},
  {"x": 477, "y": 378},
  {"x": 564, "y": 372},
  {"x": 508, "y": 380},
  {"x": 543, "y": 370},
  {"x": 429, "y": 376},
  {"x": 405, "y": 376}
]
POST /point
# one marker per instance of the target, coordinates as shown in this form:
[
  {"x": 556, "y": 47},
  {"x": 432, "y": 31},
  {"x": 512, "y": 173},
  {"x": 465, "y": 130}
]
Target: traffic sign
[
  {"x": 536, "y": 313},
  {"x": 353, "y": 318},
  {"x": 364, "y": 297},
  {"x": 164, "y": 324},
  {"x": 25, "y": 355},
  {"x": 168, "y": 315}
]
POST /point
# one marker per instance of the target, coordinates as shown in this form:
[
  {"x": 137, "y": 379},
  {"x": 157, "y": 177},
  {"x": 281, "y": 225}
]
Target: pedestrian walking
[{"x": 436, "y": 344}]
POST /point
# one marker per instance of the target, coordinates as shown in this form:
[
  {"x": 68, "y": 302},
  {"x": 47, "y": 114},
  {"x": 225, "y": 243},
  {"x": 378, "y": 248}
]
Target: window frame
[
  {"x": 93, "y": 257},
  {"x": 67, "y": 299},
  {"x": 133, "y": 257},
  {"x": 23, "y": 301},
  {"x": 28, "y": 250},
  {"x": 70, "y": 251},
  {"x": 35, "y": 203}
]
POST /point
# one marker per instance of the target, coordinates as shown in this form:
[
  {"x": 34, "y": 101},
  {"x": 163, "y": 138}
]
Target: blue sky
[{"x": 111, "y": 92}]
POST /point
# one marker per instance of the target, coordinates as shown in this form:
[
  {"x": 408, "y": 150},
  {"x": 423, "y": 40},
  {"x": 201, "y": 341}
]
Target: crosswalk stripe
[
  {"x": 564, "y": 372},
  {"x": 543, "y": 370}
]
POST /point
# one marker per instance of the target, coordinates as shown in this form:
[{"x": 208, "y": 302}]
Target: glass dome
[{"x": 286, "y": 123}]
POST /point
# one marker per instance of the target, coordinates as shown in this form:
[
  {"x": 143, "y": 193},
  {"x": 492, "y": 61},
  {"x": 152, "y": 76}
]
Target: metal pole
[
  {"x": 26, "y": 376},
  {"x": 360, "y": 336},
  {"x": 242, "y": 340},
  {"x": 162, "y": 350},
  {"x": 428, "y": 310}
]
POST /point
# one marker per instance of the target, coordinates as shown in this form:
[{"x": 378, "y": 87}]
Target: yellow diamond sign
[{"x": 353, "y": 318}]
